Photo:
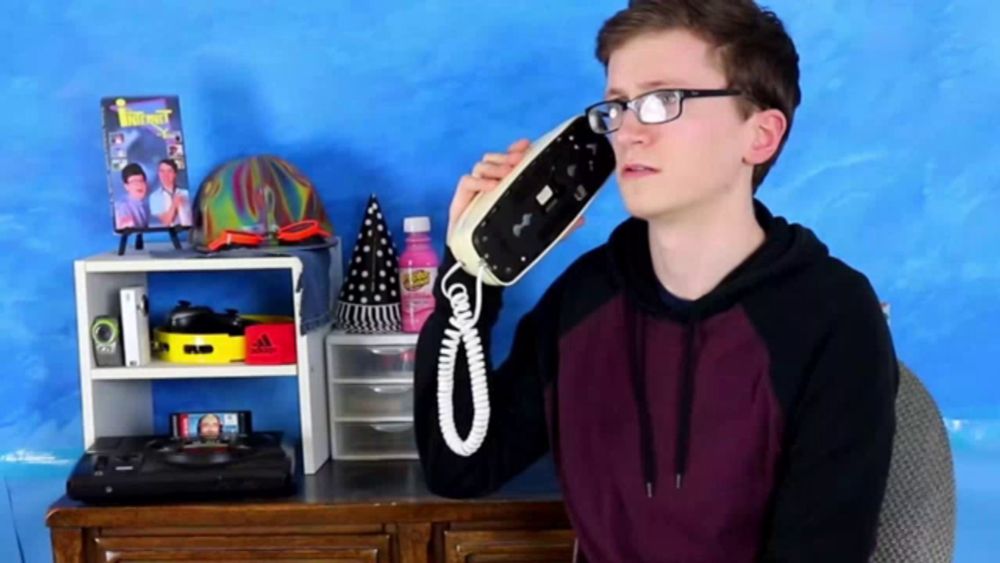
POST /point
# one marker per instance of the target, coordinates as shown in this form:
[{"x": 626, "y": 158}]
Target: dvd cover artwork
[
  {"x": 146, "y": 163},
  {"x": 207, "y": 425}
]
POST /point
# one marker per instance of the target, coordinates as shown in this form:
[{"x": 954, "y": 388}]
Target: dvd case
[
  {"x": 210, "y": 424},
  {"x": 146, "y": 163}
]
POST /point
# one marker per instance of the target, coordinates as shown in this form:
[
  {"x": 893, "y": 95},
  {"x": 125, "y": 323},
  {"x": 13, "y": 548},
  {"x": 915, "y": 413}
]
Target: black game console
[{"x": 163, "y": 467}]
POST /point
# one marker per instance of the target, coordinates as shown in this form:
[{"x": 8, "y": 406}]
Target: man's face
[
  {"x": 136, "y": 187},
  {"x": 167, "y": 175},
  {"x": 669, "y": 167},
  {"x": 209, "y": 427}
]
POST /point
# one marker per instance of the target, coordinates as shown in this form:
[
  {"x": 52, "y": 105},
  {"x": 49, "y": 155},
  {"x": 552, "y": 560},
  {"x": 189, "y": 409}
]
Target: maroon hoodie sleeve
[
  {"x": 840, "y": 433},
  {"x": 517, "y": 432}
]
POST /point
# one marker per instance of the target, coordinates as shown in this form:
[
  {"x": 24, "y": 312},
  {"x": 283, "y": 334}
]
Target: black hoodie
[{"x": 754, "y": 423}]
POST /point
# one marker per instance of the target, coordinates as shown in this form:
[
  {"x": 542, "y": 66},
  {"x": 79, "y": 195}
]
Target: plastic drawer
[
  {"x": 358, "y": 361},
  {"x": 374, "y": 440},
  {"x": 372, "y": 400}
]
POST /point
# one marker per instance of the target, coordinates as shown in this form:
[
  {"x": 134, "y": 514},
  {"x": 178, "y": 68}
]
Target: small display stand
[{"x": 139, "y": 243}]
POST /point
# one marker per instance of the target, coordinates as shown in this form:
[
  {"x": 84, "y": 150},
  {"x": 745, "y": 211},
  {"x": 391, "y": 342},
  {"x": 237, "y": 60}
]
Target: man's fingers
[
  {"x": 495, "y": 157},
  {"x": 520, "y": 145},
  {"x": 474, "y": 185},
  {"x": 516, "y": 152},
  {"x": 485, "y": 175},
  {"x": 515, "y": 158},
  {"x": 491, "y": 171},
  {"x": 467, "y": 189}
]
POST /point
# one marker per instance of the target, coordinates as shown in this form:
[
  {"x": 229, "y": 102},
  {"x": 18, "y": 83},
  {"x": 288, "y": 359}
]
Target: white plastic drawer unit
[
  {"x": 375, "y": 440},
  {"x": 370, "y": 390}
]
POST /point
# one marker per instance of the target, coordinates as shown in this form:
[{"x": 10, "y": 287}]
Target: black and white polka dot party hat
[{"x": 369, "y": 296}]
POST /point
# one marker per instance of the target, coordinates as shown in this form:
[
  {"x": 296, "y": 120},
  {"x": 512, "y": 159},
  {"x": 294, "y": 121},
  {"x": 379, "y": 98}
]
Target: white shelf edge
[
  {"x": 191, "y": 265},
  {"x": 338, "y": 337},
  {"x": 377, "y": 457},
  {"x": 373, "y": 419},
  {"x": 373, "y": 380},
  {"x": 161, "y": 370}
]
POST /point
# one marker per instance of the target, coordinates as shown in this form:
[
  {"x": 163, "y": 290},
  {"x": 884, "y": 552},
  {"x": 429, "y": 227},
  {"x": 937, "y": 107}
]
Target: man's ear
[{"x": 768, "y": 129}]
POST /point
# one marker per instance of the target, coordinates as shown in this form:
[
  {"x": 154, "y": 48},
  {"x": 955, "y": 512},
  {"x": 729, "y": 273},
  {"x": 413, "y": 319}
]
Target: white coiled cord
[{"x": 463, "y": 331}]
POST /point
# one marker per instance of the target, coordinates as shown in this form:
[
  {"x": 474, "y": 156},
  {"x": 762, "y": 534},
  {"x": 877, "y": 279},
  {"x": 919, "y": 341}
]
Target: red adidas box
[{"x": 269, "y": 344}]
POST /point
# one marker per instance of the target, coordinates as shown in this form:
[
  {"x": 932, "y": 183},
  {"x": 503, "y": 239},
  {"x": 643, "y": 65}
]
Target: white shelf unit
[
  {"x": 371, "y": 395},
  {"x": 118, "y": 401}
]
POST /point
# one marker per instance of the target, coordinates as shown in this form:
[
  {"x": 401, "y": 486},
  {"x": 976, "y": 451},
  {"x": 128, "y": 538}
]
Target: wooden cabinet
[
  {"x": 348, "y": 511},
  {"x": 508, "y": 546},
  {"x": 372, "y": 548}
]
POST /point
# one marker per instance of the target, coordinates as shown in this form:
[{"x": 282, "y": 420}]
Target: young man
[
  {"x": 713, "y": 385},
  {"x": 169, "y": 203},
  {"x": 132, "y": 211}
]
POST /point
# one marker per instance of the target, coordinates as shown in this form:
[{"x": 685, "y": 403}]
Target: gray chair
[{"x": 917, "y": 522}]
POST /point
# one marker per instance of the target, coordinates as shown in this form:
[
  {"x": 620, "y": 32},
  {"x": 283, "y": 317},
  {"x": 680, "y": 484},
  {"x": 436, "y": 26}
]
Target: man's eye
[{"x": 669, "y": 97}]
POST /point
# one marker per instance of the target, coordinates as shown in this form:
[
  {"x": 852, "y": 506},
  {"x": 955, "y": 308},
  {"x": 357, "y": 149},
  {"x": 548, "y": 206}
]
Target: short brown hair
[{"x": 758, "y": 57}]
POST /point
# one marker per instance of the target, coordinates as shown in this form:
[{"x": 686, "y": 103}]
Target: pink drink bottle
[{"x": 418, "y": 265}]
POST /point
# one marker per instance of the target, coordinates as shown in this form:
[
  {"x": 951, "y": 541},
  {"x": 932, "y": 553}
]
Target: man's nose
[{"x": 632, "y": 131}]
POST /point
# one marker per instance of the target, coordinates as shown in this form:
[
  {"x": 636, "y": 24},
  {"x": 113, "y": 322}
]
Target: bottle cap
[{"x": 417, "y": 225}]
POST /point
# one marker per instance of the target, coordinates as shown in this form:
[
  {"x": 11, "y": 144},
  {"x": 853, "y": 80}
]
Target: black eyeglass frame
[{"x": 633, "y": 104}]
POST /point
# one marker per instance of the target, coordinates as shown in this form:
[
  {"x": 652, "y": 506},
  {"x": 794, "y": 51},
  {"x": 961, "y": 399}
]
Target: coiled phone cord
[{"x": 463, "y": 331}]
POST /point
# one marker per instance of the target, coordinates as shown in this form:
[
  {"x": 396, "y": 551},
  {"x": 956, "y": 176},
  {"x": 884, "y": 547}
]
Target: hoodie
[{"x": 752, "y": 424}]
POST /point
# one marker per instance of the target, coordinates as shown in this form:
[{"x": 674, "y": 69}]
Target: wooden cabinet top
[{"x": 359, "y": 492}]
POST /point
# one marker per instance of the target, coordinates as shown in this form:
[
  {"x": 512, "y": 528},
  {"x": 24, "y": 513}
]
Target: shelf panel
[
  {"x": 340, "y": 337},
  {"x": 402, "y": 380},
  {"x": 164, "y": 370},
  {"x": 144, "y": 262},
  {"x": 373, "y": 419}
]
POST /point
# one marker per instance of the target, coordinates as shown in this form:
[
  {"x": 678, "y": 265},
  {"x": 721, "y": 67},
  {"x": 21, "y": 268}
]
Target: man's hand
[{"x": 485, "y": 175}]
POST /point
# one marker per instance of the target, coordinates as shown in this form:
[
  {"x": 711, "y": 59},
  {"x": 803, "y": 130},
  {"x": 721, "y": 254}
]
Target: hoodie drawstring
[
  {"x": 636, "y": 326},
  {"x": 637, "y": 337},
  {"x": 686, "y": 402}
]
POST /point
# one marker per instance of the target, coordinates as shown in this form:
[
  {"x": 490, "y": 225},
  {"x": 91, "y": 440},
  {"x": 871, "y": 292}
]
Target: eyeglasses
[{"x": 658, "y": 106}]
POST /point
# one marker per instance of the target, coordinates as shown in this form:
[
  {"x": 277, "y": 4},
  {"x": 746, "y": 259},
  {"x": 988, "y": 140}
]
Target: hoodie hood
[{"x": 786, "y": 249}]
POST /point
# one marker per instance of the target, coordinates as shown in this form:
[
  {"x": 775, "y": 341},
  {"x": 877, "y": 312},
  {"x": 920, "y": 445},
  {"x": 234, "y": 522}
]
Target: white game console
[{"x": 135, "y": 325}]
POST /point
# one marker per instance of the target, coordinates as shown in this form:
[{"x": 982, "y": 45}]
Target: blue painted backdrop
[{"x": 893, "y": 158}]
